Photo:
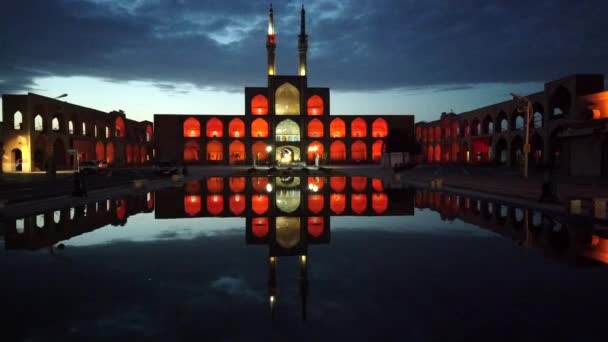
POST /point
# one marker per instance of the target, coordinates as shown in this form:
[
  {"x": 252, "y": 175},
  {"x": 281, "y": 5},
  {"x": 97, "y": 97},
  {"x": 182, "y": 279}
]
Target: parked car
[
  {"x": 89, "y": 166},
  {"x": 165, "y": 168}
]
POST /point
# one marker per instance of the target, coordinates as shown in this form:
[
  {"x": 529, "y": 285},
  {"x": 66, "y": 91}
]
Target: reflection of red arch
[
  {"x": 318, "y": 181},
  {"x": 192, "y": 204},
  {"x": 214, "y": 128},
  {"x": 379, "y": 128},
  {"x": 236, "y": 128},
  {"x": 337, "y": 203},
  {"x": 315, "y": 203},
  {"x": 337, "y": 128},
  {"x": 315, "y": 226},
  {"x": 337, "y": 150},
  {"x": 215, "y": 204},
  {"x": 358, "y": 128},
  {"x": 358, "y": 151},
  {"x": 259, "y": 227},
  {"x": 358, "y": 183},
  {"x": 259, "y": 183},
  {"x": 377, "y": 185},
  {"x": 150, "y": 202},
  {"x": 315, "y": 128},
  {"x": 192, "y": 128},
  {"x": 337, "y": 183},
  {"x": 315, "y": 105},
  {"x": 237, "y": 204},
  {"x": 358, "y": 203},
  {"x": 192, "y": 187},
  {"x": 311, "y": 153},
  {"x": 259, "y": 105},
  {"x": 259, "y": 204},
  {"x": 121, "y": 209},
  {"x": 258, "y": 149},
  {"x": 215, "y": 184},
  {"x": 259, "y": 128},
  {"x": 379, "y": 203},
  {"x": 237, "y": 184}
]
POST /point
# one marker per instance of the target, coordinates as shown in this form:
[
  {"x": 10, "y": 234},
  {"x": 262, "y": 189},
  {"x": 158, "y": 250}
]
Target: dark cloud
[{"x": 354, "y": 45}]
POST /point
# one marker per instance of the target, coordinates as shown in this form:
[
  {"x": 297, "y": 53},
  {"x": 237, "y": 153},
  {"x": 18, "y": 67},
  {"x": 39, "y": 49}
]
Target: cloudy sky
[{"x": 377, "y": 56}]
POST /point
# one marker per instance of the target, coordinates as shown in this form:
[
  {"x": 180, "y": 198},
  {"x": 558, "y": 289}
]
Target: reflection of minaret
[
  {"x": 303, "y": 284},
  {"x": 302, "y": 43},
  {"x": 271, "y": 43},
  {"x": 272, "y": 283}
]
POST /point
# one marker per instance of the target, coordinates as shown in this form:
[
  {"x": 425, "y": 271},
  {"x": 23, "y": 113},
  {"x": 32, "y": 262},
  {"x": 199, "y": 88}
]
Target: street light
[
  {"x": 528, "y": 109},
  {"x": 268, "y": 150}
]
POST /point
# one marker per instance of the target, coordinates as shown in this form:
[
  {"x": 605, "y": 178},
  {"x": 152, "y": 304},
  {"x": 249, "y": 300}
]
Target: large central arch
[{"x": 287, "y": 100}]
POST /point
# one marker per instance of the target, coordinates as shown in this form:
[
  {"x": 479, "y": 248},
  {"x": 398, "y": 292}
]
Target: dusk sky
[{"x": 377, "y": 56}]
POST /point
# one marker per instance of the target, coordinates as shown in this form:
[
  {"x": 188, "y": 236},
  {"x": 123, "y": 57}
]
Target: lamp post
[
  {"x": 528, "y": 110},
  {"x": 268, "y": 150}
]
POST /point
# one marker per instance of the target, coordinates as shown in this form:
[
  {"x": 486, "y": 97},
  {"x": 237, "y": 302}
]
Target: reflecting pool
[{"x": 304, "y": 257}]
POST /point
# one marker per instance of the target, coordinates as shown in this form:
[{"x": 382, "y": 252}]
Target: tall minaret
[
  {"x": 271, "y": 44},
  {"x": 302, "y": 43}
]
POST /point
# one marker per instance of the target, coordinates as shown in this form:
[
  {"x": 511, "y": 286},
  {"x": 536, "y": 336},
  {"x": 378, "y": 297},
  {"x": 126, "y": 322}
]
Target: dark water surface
[{"x": 301, "y": 259}]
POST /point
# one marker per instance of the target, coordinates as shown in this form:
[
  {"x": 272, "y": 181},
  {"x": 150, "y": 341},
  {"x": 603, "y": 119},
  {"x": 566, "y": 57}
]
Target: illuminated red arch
[
  {"x": 358, "y": 203},
  {"x": 259, "y": 203},
  {"x": 142, "y": 154},
  {"x": 215, "y": 184},
  {"x": 150, "y": 202},
  {"x": 259, "y": 128},
  {"x": 237, "y": 204},
  {"x": 379, "y": 128},
  {"x": 430, "y": 154},
  {"x": 149, "y": 133},
  {"x": 120, "y": 127},
  {"x": 358, "y": 151},
  {"x": 110, "y": 153},
  {"x": 315, "y": 226},
  {"x": 214, "y": 128},
  {"x": 215, "y": 150},
  {"x": 337, "y": 203},
  {"x": 259, "y": 105},
  {"x": 379, "y": 203},
  {"x": 358, "y": 128},
  {"x": 437, "y": 153},
  {"x": 236, "y": 151},
  {"x": 319, "y": 182},
  {"x": 315, "y": 105},
  {"x": 192, "y": 187},
  {"x": 358, "y": 183},
  {"x": 236, "y": 128},
  {"x": 337, "y": 183},
  {"x": 192, "y": 128},
  {"x": 337, "y": 150},
  {"x": 192, "y": 204},
  {"x": 260, "y": 227},
  {"x": 315, "y": 203},
  {"x": 377, "y": 150},
  {"x": 100, "y": 151},
  {"x": 337, "y": 128},
  {"x": 377, "y": 185},
  {"x": 215, "y": 204},
  {"x": 315, "y": 148},
  {"x": 315, "y": 128},
  {"x": 237, "y": 184},
  {"x": 259, "y": 183},
  {"x": 258, "y": 149},
  {"x": 129, "y": 152},
  {"x": 192, "y": 151}
]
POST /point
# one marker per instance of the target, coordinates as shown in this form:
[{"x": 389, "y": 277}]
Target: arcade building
[{"x": 285, "y": 121}]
